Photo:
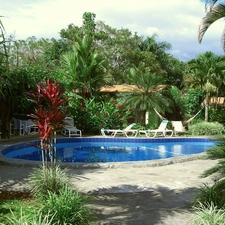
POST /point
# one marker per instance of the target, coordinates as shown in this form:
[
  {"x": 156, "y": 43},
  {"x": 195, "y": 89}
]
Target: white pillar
[{"x": 146, "y": 117}]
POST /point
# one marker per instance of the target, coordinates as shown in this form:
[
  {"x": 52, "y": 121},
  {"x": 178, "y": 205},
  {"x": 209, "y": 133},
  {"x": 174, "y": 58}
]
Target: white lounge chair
[
  {"x": 143, "y": 132},
  {"x": 128, "y": 132},
  {"x": 178, "y": 127},
  {"x": 160, "y": 130},
  {"x": 69, "y": 129}
]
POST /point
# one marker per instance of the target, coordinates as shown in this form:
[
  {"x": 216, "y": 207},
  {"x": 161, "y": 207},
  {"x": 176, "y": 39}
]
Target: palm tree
[
  {"x": 215, "y": 10},
  {"x": 206, "y": 72},
  {"x": 151, "y": 45},
  {"x": 147, "y": 93},
  {"x": 157, "y": 48},
  {"x": 172, "y": 68},
  {"x": 83, "y": 69}
]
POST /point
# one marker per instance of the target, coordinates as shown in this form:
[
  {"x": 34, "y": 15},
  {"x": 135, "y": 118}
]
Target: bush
[
  {"x": 91, "y": 116},
  {"x": 206, "y": 128},
  {"x": 216, "y": 152},
  {"x": 216, "y": 113},
  {"x": 56, "y": 202},
  {"x": 212, "y": 195},
  {"x": 45, "y": 179},
  {"x": 67, "y": 207},
  {"x": 208, "y": 215},
  {"x": 36, "y": 219}
]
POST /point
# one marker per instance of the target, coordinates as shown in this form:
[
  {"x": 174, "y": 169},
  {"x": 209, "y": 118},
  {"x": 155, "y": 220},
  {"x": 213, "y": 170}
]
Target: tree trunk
[
  {"x": 6, "y": 116},
  {"x": 140, "y": 117},
  {"x": 207, "y": 107}
]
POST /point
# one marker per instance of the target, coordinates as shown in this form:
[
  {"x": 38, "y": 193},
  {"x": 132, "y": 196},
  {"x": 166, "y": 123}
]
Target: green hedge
[{"x": 206, "y": 128}]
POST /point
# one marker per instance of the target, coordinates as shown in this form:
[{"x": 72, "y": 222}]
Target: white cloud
[{"x": 174, "y": 21}]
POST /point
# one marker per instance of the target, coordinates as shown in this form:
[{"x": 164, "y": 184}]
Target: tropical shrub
[
  {"x": 214, "y": 194},
  {"x": 48, "y": 114},
  {"x": 35, "y": 219},
  {"x": 208, "y": 215},
  {"x": 67, "y": 207},
  {"x": 91, "y": 115},
  {"x": 206, "y": 128},
  {"x": 193, "y": 100},
  {"x": 216, "y": 113},
  {"x": 178, "y": 106},
  {"x": 42, "y": 180},
  {"x": 216, "y": 152},
  {"x": 19, "y": 211}
]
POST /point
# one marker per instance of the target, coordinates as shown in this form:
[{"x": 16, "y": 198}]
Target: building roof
[
  {"x": 118, "y": 88},
  {"x": 128, "y": 88}
]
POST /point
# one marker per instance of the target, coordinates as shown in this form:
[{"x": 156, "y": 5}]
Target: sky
[{"x": 174, "y": 21}]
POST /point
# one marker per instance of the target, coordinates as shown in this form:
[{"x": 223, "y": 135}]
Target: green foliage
[
  {"x": 214, "y": 11},
  {"x": 212, "y": 194},
  {"x": 45, "y": 179},
  {"x": 208, "y": 215},
  {"x": 82, "y": 68},
  {"x": 216, "y": 113},
  {"x": 89, "y": 23},
  {"x": 216, "y": 152},
  {"x": 206, "y": 72},
  {"x": 206, "y": 128},
  {"x": 91, "y": 116},
  {"x": 53, "y": 52},
  {"x": 34, "y": 219},
  {"x": 193, "y": 100},
  {"x": 55, "y": 202},
  {"x": 18, "y": 211},
  {"x": 67, "y": 207},
  {"x": 216, "y": 193},
  {"x": 148, "y": 92},
  {"x": 178, "y": 105}
]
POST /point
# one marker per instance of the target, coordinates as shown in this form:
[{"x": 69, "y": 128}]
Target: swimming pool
[{"x": 104, "y": 150}]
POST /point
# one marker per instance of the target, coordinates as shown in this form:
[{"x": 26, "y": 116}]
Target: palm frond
[
  {"x": 212, "y": 16},
  {"x": 209, "y": 4},
  {"x": 223, "y": 39}
]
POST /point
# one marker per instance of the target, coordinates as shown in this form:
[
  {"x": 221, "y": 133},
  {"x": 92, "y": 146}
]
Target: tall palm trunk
[
  {"x": 5, "y": 115},
  {"x": 140, "y": 116},
  {"x": 207, "y": 107}
]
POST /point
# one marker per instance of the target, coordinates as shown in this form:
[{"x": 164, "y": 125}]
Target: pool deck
[{"x": 151, "y": 195}]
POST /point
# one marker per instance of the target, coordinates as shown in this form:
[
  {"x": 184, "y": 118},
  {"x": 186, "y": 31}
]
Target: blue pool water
[{"x": 113, "y": 149}]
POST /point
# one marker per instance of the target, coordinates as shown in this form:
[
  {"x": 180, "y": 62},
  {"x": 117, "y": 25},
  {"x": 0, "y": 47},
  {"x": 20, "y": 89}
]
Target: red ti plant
[{"x": 48, "y": 114}]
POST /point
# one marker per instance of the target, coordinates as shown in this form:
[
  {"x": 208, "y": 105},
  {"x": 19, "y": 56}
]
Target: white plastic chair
[
  {"x": 178, "y": 127},
  {"x": 69, "y": 129}
]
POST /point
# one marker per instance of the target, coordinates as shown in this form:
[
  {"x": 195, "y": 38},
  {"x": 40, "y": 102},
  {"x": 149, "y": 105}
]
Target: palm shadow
[
  {"x": 156, "y": 206},
  {"x": 14, "y": 181}
]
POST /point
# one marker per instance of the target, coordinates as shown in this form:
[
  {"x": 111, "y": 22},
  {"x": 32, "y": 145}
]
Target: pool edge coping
[{"x": 107, "y": 165}]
